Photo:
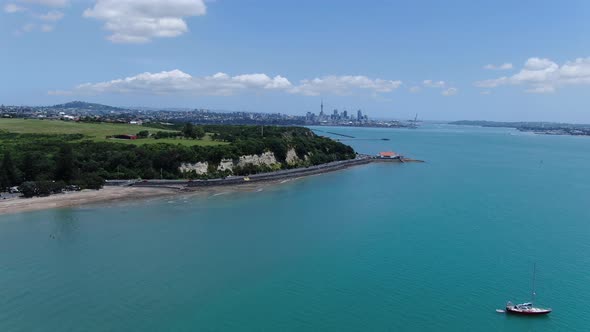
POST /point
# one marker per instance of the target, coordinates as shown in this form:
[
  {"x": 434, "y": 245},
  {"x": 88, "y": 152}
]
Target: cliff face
[
  {"x": 199, "y": 168},
  {"x": 265, "y": 159},
  {"x": 292, "y": 157}
]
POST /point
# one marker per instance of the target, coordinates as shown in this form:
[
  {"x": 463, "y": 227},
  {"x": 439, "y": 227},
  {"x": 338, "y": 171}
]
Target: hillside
[
  {"x": 87, "y": 106},
  {"x": 95, "y": 131},
  {"x": 51, "y": 154}
]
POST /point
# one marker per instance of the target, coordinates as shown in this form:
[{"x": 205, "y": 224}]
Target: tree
[
  {"x": 64, "y": 169},
  {"x": 28, "y": 169},
  {"x": 189, "y": 130},
  {"x": 143, "y": 134},
  {"x": 28, "y": 189},
  {"x": 8, "y": 175},
  {"x": 199, "y": 132}
]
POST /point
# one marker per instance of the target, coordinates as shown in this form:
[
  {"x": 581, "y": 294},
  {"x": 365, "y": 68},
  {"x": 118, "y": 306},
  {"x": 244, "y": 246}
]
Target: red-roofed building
[{"x": 389, "y": 154}]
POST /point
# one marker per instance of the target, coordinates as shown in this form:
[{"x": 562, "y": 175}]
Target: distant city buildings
[
  {"x": 336, "y": 118},
  {"x": 87, "y": 112}
]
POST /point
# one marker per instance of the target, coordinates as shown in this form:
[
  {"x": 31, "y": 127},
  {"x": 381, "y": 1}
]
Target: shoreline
[
  {"x": 262, "y": 177},
  {"x": 84, "y": 197},
  {"x": 125, "y": 190}
]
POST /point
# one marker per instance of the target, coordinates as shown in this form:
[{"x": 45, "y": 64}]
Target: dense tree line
[
  {"x": 188, "y": 130},
  {"x": 68, "y": 160}
]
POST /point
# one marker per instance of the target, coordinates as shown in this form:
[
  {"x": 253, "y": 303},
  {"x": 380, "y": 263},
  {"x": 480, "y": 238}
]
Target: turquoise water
[{"x": 385, "y": 247}]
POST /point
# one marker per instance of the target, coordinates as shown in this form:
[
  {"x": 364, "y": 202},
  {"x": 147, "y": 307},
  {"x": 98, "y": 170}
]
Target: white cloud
[
  {"x": 28, "y": 27},
  {"x": 139, "y": 21},
  {"x": 504, "y": 66},
  {"x": 60, "y": 93},
  {"x": 53, "y": 16},
  {"x": 12, "y": 8},
  {"x": 447, "y": 92},
  {"x": 544, "y": 76},
  {"x": 492, "y": 83},
  {"x": 433, "y": 84},
  {"x": 48, "y": 3},
  {"x": 343, "y": 85},
  {"x": 176, "y": 81},
  {"x": 450, "y": 92},
  {"x": 222, "y": 84},
  {"x": 47, "y": 27},
  {"x": 415, "y": 89},
  {"x": 541, "y": 89}
]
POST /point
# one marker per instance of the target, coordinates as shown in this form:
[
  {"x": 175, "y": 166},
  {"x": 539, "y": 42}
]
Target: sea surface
[{"x": 437, "y": 246}]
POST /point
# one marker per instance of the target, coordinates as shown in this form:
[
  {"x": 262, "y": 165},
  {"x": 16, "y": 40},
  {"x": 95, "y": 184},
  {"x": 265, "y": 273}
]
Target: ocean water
[{"x": 436, "y": 246}]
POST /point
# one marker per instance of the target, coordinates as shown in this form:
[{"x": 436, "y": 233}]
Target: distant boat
[
  {"x": 413, "y": 124},
  {"x": 527, "y": 308},
  {"x": 415, "y": 119}
]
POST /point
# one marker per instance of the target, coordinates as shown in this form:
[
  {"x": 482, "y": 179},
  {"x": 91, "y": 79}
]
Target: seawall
[{"x": 272, "y": 176}]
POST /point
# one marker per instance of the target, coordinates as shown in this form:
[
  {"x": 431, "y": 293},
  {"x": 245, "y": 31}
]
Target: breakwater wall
[{"x": 273, "y": 176}]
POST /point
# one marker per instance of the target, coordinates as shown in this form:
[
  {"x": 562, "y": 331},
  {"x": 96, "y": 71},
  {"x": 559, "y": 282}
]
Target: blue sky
[{"x": 390, "y": 58}]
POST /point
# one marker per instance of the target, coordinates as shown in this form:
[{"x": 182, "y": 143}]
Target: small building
[{"x": 388, "y": 155}]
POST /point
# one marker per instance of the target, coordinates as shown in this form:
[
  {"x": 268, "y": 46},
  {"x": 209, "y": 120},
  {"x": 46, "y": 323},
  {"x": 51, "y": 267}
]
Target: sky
[{"x": 443, "y": 60}]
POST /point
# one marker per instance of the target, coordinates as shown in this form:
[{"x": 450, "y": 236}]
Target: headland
[{"x": 127, "y": 190}]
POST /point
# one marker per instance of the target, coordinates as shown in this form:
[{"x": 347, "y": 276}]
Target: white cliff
[{"x": 199, "y": 168}]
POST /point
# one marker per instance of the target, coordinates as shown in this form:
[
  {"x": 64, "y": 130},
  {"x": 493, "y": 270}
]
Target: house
[{"x": 388, "y": 155}]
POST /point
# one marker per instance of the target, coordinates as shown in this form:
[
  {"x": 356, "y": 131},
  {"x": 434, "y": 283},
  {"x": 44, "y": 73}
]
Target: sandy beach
[
  {"x": 107, "y": 194},
  {"x": 160, "y": 188},
  {"x": 118, "y": 194}
]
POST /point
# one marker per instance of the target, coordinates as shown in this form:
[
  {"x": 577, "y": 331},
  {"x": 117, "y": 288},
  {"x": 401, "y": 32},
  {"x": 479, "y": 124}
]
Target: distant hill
[
  {"x": 483, "y": 123},
  {"x": 521, "y": 124},
  {"x": 87, "y": 106}
]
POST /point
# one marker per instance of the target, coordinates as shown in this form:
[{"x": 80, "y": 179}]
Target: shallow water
[{"x": 413, "y": 247}]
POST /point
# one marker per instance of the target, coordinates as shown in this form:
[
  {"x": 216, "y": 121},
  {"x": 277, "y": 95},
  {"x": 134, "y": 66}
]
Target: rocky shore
[
  {"x": 118, "y": 190},
  {"x": 263, "y": 177}
]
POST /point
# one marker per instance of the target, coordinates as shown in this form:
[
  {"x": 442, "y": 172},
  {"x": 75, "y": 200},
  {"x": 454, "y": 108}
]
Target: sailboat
[
  {"x": 527, "y": 308},
  {"x": 413, "y": 124}
]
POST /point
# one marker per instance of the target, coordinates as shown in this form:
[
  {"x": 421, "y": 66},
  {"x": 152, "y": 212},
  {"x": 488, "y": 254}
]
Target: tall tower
[{"x": 322, "y": 106}]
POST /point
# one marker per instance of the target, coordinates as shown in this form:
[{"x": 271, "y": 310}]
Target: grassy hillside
[
  {"x": 96, "y": 132},
  {"x": 45, "y": 156}
]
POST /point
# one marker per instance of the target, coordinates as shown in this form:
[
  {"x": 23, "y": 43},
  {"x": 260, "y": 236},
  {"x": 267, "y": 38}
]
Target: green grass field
[{"x": 94, "y": 131}]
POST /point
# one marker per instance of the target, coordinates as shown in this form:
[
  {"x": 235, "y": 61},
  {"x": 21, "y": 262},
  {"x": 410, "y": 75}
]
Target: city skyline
[{"x": 445, "y": 61}]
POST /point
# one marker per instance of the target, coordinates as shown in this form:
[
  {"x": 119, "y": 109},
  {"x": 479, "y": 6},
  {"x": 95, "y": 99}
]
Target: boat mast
[{"x": 533, "y": 292}]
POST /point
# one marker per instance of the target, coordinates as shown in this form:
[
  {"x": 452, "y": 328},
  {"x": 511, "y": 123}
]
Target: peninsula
[
  {"x": 542, "y": 128},
  {"x": 45, "y": 157}
]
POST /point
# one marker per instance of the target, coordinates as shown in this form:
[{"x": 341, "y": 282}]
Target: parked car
[{"x": 73, "y": 188}]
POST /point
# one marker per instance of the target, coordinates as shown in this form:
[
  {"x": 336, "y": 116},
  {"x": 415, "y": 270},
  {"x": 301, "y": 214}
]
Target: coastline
[
  {"x": 123, "y": 190},
  {"x": 106, "y": 194},
  {"x": 262, "y": 177}
]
